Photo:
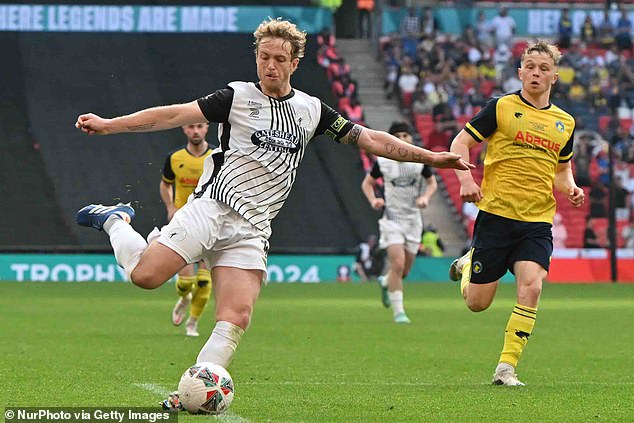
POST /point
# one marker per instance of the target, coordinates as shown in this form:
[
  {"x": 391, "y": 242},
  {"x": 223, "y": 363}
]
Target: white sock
[
  {"x": 382, "y": 281},
  {"x": 221, "y": 345},
  {"x": 128, "y": 244},
  {"x": 396, "y": 297}
]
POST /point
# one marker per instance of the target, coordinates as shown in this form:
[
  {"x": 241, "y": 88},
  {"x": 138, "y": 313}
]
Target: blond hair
[
  {"x": 543, "y": 47},
  {"x": 282, "y": 29}
]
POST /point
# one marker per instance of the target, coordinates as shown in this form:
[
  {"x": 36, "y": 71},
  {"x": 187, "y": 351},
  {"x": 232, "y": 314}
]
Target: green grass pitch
[{"x": 326, "y": 353}]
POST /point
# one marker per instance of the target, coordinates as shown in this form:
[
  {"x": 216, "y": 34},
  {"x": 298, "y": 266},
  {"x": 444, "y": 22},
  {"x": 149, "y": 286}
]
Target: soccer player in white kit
[
  {"x": 401, "y": 224},
  {"x": 264, "y": 129}
]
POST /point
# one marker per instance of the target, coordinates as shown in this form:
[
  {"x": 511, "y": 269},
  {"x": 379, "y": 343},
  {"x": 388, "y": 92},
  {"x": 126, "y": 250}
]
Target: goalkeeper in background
[
  {"x": 529, "y": 152},
  {"x": 181, "y": 172}
]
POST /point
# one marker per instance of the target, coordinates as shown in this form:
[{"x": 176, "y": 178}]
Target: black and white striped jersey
[
  {"x": 262, "y": 142},
  {"x": 403, "y": 183}
]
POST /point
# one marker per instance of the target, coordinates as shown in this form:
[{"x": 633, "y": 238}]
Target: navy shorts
[{"x": 499, "y": 242}]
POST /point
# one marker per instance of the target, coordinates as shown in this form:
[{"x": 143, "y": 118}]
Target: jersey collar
[
  {"x": 519, "y": 93},
  {"x": 286, "y": 97}
]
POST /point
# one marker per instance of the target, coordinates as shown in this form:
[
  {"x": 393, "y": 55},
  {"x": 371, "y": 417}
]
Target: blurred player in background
[
  {"x": 264, "y": 129},
  {"x": 529, "y": 151},
  {"x": 181, "y": 172},
  {"x": 401, "y": 225}
]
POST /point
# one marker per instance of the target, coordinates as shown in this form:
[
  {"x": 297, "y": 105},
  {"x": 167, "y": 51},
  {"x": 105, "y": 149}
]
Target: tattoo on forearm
[
  {"x": 142, "y": 128},
  {"x": 417, "y": 157},
  {"x": 355, "y": 133},
  {"x": 402, "y": 151},
  {"x": 389, "y": 148}
]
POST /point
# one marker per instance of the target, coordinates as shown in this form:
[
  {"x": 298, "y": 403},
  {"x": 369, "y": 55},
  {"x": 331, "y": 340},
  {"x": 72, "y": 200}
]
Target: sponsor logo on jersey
[
  {"x": 189, "y": 181},
  {"x": 276, "y": 140},
  {"x": 526, "y": 139},
  {"x": 560, "y": 126},
  {"x": 403, "y": 181}
]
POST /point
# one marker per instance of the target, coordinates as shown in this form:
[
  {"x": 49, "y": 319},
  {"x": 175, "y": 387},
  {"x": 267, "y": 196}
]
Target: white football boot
[
  {"x": 180, "y": 308},
  {"x": 505, "y": 375}
]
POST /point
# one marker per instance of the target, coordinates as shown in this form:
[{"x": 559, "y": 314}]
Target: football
[{"x": 206, "y": 388}]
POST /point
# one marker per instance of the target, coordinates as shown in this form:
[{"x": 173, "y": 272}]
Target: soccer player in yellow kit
[
  {"x": 528, "y": 153},
  {"x": 181, "y": 172}
]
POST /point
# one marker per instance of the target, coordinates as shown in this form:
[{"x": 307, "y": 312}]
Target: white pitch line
[
  {"x": 161, "y": 390},
  {"x": 298, "y": 383}
]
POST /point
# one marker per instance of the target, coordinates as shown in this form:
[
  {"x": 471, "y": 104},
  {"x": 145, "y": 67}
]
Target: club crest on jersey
[
  {"x": 560, "y": 126},
  {"x": 276, "y": 140}
]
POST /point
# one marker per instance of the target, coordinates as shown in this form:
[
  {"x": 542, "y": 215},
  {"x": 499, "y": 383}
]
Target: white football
[{"x": 206, "y": 388}]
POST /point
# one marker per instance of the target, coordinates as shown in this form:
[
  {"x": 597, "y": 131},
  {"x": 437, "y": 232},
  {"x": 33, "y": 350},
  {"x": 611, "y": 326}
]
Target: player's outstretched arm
[
  {"x": 469, "y": 190},
  {"x": 148, "y": 120},
  {"x": 565, "y": 183},
  {"x": 383, "y": 144}
]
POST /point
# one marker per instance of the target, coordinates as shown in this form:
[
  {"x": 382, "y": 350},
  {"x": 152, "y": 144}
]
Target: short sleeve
[
  {"x": 216, "y": 106},
  {"x": 566, "y": 153},
  {"x": 484, "y": 124},
  {"x": 168, "y": 172},
  {"x": 332, "y": 124}
]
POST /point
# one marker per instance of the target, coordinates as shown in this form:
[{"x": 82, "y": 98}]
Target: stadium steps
[{"x": 370, "y": 74}]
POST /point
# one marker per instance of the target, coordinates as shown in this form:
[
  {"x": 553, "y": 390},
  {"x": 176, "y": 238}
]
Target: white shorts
[
  {"x": 393, "y": 233},
  {"x": 209, "y": 230}
]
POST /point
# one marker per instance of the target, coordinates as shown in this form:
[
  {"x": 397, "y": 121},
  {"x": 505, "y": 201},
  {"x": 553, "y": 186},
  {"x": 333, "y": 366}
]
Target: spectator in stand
[
  {"x": 410, "y": 32},
  {"x": 565, "y": 29},
  {"x": 429, "y": 24},
  {"x": 590, "y": 238},
  {"x": 577, "y": 92},
  {"x": 430, "y": 243},
  {"x": 501, "y": 58},
  {"x": 583, "y": 156},
  {"x": 588, "y": 32},
  {"x": 612, "y": 55},
  {"x": 421, "y": 104},
  {"x": 566, "y": 75},
  {"x": 337, "y": 69},
  {"x": 344, "y": 87},
  {"x": 326, "y": 55},
  {"x": 620, "y": 200},
  {"x": 353, "y": 111},
  {"x": 370, "y": 260},
  {"x": 364, "y": 11},
  {"x": 467, "y": 71},
  {"x": 503, "y": 27},
  {"x": 624, "y": 31},
  {"x": 628, "y": 235},
  {"x": 606, "y": 30},
  {"x": 487, "y": 69},
  {"x": 597, "y": 199},
  {"x": 469, "y": 37},
  {"x": 325, "y": 38},
  {"x": 483, "y": 31},
  {"x": 512, "y": 83},
  {"x": 560, "y": 234},
  {"x": 407, "y": 83}
]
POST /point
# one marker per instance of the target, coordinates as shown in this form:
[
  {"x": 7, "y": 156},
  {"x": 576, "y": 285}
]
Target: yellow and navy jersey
[
  {"x": 183, "y": 170},
  {"x": 525, "y": 146}
]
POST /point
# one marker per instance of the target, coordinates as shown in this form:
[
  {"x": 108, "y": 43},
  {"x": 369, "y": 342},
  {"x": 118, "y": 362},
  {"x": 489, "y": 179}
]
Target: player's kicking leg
[{"x": 147, "y": 266}]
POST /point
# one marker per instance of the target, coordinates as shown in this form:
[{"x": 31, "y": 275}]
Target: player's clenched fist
[{"x": 91, "y": 124}]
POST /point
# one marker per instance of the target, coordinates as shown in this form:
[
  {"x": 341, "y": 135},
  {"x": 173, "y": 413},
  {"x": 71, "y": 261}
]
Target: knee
[
  {"x": 238, "y": 315},
  {"x": 398, "y": 267},
  {"x": 530, "y": 289},
  {"x": 477, "y": 304},
  {"x": 145, "y": 279}
]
